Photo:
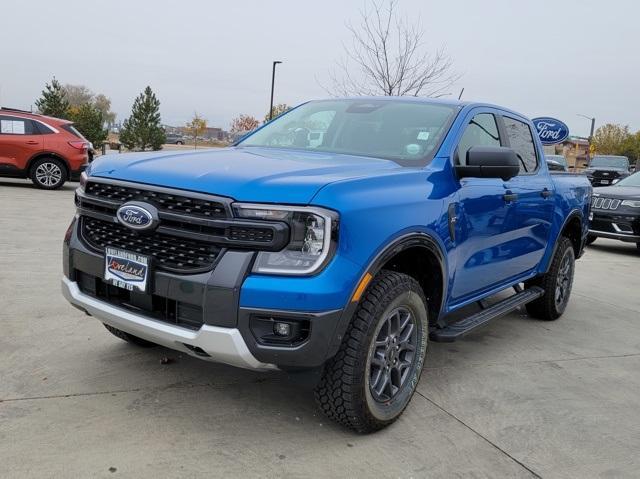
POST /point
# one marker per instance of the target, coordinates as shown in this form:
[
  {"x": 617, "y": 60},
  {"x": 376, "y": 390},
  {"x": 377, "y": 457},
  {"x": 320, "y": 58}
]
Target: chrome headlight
[
  {"x": 310, "y": 243},
  {"x": 631, "y": 203}
]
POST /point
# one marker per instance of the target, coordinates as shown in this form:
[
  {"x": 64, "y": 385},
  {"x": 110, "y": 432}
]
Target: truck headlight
[
  {"x": 83, "y": 180},
  {"x": 631, "y": 203},
  {"x": 310, "y": 244}
]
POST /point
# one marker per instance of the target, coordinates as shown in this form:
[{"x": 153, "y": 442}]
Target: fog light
[{"x": 282, "y": 329}]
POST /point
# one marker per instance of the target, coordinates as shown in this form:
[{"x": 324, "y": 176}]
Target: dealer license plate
[{"x": 126, "y": 270}]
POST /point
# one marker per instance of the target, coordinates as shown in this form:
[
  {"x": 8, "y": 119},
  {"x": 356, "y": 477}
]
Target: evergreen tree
[
  {"x": 142, "y": 129},
  {"x": 89, "y": 120},
  {"x": 53, "y": 101}
]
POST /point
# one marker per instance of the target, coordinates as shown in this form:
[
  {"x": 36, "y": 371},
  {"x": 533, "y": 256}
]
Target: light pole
[
  {"x": 273, "y": 81},
  {"x": 593, "y": 124}
]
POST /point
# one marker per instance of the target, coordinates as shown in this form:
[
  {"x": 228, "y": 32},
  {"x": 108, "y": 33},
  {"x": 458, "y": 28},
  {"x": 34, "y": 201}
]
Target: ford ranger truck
[{"x": 338, "y": 238}]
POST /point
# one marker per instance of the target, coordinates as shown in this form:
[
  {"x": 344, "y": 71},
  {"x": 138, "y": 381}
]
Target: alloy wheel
[
  {"x": 48, "y": 174},
  {"x": 563, "y": 280},
  {"x": 393, "y": 354}
]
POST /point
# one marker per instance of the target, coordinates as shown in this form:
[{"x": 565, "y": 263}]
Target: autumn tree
[
  {"x": 53, "y": 100},
  {"x": 196, "y": 127},
  {"x": 78, "y": 95},
  {"x": 610, "y": 138},
  {"x": 143, "y": 129},
  {"x": 89, "y": 121},
  {"x": 388, "y": 56},
  {"x": 277, "y": 111},
  {"x": 244, "y": 123}
]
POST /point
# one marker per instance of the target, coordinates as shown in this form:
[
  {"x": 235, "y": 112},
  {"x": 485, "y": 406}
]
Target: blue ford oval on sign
[{"x": 550, "y": 130}]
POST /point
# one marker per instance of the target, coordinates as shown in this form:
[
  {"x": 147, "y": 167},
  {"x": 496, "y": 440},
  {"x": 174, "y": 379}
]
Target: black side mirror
[{"x": 489, "y": 162}]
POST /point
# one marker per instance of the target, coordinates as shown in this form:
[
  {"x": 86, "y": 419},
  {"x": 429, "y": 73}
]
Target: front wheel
[
  {"x": 367, "y": 385},
  {"x": 557, "y": 284}
]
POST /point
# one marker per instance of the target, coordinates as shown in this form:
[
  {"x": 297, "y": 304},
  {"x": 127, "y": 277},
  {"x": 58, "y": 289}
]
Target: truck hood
[{"x": 242, "y": 173}]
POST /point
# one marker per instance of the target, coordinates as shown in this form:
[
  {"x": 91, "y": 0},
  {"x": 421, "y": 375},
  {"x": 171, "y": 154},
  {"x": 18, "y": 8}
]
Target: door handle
[
  {"x": 546, "y": 193},
  {"x": 509, "y": 197},
  {"x": 33, "y": 142}
]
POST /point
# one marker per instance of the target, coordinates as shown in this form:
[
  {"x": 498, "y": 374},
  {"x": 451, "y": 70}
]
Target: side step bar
[{"x": 453, "y": 331}]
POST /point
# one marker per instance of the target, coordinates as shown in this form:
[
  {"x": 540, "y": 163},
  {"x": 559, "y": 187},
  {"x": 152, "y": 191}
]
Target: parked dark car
[
  {"x": 616, "y": 211},
  {"x": 557, "y": 163},
  {"x": 174, "y": 139},
  {"x": 605, "y": 170}
]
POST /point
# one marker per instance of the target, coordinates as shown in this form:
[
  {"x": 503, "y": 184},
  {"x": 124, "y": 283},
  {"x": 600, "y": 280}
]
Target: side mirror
[{"x": 489, "y": 162}]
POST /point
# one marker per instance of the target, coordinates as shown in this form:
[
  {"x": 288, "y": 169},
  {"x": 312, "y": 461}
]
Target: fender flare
[
  {"x": 574, "y": 214},
  {"x": 397, "y": 245}
]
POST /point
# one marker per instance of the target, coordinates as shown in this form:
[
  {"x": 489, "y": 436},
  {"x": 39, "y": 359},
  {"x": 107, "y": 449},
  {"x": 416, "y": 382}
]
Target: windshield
[
  {"x": 557, "y": 158},
  {"x": 407, "y": 132},
  {"x": 610, "y": 161},
  {"x": 633, "y": 180}
]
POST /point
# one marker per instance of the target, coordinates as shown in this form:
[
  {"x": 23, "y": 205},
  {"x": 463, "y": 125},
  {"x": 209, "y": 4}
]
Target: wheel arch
[
  {"x": 572, "y": 228},
  {"x": 419, "y": 255},
  {"x": 47, "y": 154}
]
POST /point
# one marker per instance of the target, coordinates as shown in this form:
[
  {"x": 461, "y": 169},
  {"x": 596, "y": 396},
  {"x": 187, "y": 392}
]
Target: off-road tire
[
  {"x": 343, "y": 392},
  {"x": 130, "y": 338},
  {"x": 48, "y": 173},
  {"x": 590, "y": 239},
  {"x": 547, "y": 307}
]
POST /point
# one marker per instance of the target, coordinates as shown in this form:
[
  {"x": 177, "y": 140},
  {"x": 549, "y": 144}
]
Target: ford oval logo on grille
[{"x": 136, "y": 216}]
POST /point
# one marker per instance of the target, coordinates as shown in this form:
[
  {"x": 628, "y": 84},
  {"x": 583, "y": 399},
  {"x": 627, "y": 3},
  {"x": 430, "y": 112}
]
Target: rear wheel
[
  {"x": 130, "y": 338},
  {"x": 372, "y": 378},
  {"x": 557, "y": 284},
  {"x": 591, "y": 239},
  {"x": 48, "y": 173}
]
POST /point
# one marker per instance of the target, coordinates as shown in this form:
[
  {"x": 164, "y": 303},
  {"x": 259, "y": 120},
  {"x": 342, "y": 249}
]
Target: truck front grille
[
  {"x": 601, "y": 203},
  {"x": 164, "y": 201},
  {"x": 172, "y": 253}
]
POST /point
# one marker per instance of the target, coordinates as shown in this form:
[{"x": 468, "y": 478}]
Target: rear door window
[
  {"x": 521, "y": 141},
  {"x": 10, "y": 125}
]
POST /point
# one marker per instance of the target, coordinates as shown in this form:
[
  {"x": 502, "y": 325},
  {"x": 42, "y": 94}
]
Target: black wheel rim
[
  {"x": 564, "y": 279},
  {"x": 393, "y": 354}
]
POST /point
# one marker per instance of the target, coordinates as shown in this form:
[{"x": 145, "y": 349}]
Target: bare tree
[{"x": 388, "y": 57}]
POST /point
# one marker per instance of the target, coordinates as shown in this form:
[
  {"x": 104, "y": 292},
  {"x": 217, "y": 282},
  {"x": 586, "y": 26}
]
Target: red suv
[{"x": 48, "y": 150}]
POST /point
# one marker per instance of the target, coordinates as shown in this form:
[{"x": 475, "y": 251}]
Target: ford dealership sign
[{"x": 550, "y": 130}]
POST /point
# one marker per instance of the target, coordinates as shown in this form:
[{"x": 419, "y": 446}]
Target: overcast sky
[{"x": 543, "y": 58}]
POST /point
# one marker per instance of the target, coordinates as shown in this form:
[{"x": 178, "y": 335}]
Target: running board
[{"x": 453, "y": 331}]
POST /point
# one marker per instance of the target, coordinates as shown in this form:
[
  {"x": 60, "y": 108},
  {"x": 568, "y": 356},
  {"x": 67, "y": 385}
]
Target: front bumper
[
  {"x": 616, "y": 224},
  {"x": 224, "y": 345},
  {"x": 219, "y": 315},
  {"x": 75, "y": 175}
]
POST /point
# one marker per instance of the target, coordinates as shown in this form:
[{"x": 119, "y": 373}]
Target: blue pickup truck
[{"x": 337, "y": 238}]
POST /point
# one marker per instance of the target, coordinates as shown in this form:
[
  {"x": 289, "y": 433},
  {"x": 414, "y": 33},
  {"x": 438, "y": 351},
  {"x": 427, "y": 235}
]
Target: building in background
[{"x": 575, "y": 149}]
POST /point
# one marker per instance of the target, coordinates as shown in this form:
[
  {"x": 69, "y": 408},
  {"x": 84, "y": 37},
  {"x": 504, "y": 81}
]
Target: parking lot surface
[{"x": 519, "y": 398}]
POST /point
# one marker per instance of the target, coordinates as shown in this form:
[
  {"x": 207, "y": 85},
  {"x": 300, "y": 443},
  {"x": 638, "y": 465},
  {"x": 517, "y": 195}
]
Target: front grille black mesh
[
  {"x": 168, "y": 252},
  {"x": 169, "y": 202}
]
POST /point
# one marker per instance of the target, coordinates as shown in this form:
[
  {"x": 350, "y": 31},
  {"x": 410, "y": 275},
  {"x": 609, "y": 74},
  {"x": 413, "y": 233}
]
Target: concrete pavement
[{"x": 520, "y": 398}]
